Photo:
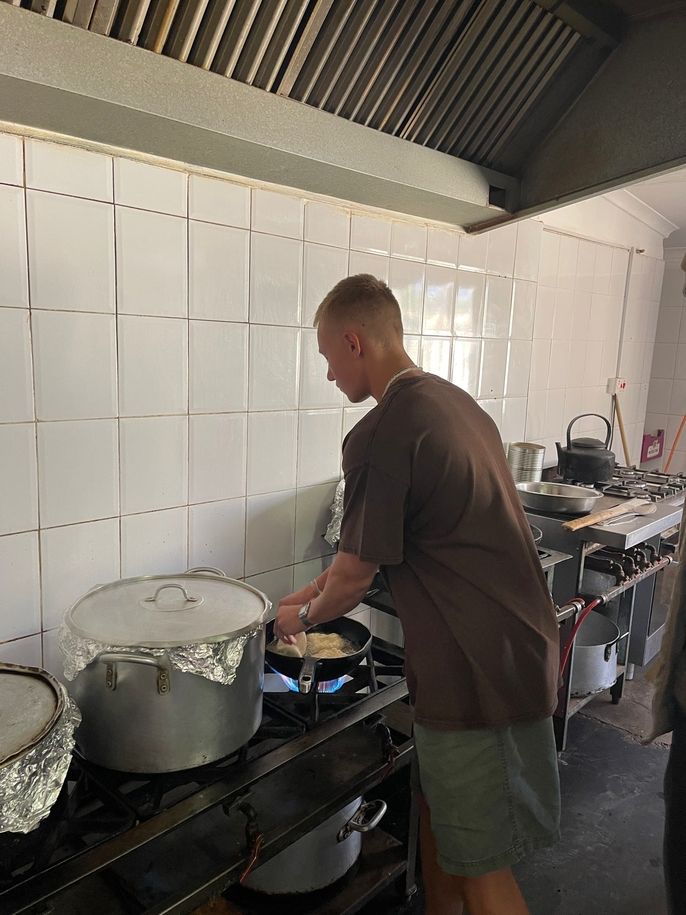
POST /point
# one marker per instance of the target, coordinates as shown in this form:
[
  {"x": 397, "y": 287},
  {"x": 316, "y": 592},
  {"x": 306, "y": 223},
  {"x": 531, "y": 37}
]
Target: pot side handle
[
  {"x": 366, "y": 817},
  {"x": 111, "y": 658}
]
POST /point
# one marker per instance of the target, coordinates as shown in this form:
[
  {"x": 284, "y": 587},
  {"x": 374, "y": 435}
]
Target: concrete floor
[{"x": 609, "y": 861}]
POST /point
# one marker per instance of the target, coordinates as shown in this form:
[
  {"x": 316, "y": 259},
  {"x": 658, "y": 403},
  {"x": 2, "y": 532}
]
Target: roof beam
[{"x": 57, "y": 78}]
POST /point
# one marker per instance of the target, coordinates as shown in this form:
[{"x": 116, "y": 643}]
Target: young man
[{"x": 429, "y": 496}]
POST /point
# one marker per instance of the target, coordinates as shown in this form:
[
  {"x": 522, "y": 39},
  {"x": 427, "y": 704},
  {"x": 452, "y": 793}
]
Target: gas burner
[{"x": 630, "y": 483}]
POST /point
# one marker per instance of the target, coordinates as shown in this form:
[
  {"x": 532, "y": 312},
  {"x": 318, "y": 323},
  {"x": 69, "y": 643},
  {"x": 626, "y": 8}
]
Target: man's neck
[{"x": 387, "y": 372}]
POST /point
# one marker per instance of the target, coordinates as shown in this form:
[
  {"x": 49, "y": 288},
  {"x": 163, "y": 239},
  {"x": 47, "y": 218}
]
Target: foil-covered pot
[
  {"x": 167, "y": 670},
  {"x": 37, "y": 723}
]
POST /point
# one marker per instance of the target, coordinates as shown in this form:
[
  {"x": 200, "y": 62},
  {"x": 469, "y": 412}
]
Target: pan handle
[{"x": 307, "y": 673}]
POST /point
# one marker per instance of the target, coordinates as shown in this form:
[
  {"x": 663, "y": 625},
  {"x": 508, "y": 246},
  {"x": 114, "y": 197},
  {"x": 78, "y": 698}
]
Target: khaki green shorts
[{"x": 494, "y": 795}]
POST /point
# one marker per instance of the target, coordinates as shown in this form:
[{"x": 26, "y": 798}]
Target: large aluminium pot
[
  {"x": 175, "y": 672},
  {"x": 37, "y": 721},
  {"x": 595, "y": 656},
  {"x": 320, "y": 857}
]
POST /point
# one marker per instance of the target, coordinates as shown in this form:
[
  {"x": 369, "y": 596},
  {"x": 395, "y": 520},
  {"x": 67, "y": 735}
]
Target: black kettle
[{"x": 586, "y": 460}]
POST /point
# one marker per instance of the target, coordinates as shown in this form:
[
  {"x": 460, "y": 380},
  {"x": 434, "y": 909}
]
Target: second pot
[
  {"x": 595, "y": 656},
  {"x": 322, "y": 856}
]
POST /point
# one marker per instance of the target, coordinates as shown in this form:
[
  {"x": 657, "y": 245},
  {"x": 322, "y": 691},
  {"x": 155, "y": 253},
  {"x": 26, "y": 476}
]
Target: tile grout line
[{"x": 39, "y": 549}]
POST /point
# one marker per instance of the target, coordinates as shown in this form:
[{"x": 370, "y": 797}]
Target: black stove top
[
  {"x": 102, "y": 815},
  {"x": 629, "y": 483}
]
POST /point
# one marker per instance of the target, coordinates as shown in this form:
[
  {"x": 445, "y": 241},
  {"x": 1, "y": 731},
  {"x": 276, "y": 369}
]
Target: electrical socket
[{"x": 616, "y": 385}]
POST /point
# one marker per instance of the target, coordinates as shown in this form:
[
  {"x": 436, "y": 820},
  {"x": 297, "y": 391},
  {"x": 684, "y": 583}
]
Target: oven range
[
  {"x": 168, "y": 843},
  {"x": 630, "y": 563}
]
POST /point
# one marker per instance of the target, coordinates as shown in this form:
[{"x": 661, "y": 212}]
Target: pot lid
[
  {"x": 165, "y": 611},
  {"x": 31, "y": 700}
]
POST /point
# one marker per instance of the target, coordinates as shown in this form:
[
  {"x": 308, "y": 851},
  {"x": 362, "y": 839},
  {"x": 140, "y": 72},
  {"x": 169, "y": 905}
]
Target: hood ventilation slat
[{"x": 459, "y": 76}]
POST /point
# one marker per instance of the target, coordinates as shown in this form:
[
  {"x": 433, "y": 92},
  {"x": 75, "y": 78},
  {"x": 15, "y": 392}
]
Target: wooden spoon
[{"x": 648, "y": 509}]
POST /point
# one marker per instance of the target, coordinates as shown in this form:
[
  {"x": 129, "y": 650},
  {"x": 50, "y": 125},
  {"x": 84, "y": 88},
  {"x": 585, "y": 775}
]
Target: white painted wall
[{"x": 162, "y": 401}]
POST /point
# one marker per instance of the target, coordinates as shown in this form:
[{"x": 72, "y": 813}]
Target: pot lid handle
[{"x": 153, "y": 599}]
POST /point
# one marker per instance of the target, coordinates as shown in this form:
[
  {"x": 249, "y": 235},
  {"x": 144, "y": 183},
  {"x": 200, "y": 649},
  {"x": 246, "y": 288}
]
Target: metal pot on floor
[
  {"x": 595, "y": 656},
  {"x": 322, "y": 856},
  {"x": 167, "y": 670}
]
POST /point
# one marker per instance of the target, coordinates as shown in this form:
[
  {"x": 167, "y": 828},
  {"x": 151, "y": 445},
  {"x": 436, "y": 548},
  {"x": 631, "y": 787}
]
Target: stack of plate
[{"x": 526, "y": 461}]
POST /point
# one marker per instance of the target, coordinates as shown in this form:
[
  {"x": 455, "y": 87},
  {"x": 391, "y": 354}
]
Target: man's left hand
[{"x": 287, "y": 623}]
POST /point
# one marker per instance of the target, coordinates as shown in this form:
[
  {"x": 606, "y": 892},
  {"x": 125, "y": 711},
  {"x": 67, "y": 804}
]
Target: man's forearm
[
  {"x": 341, "y": 594},
  {"x": 311, "y": 590}
]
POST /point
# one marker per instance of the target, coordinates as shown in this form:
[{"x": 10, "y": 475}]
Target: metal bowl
[{"x": 558, "y": 497}]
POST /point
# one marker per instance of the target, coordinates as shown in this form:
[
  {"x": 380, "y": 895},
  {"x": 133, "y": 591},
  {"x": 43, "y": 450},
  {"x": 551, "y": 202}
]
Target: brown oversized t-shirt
[{"x": 429, "y": 496}]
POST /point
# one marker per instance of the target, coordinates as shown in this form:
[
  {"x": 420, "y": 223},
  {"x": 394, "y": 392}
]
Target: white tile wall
[
  {"x": 73, "y": 560},
  {"x": 217, "y": 456},
  {"x": 78, "y": 471},
  {"x": 154, "y": 463},
  {"x": 218, "y": 367},
  {"x": 18, "y": 480},
  {"x": 68, "y": 170},
  {"x": 273, "y": 375},
  {"x": 75, "y": 365},
  {"x": 442, "y": 246},
  {"x": 11, "y": 159},
  {"x": 371, "y": 234},
  {"x": 213, "y": 200},
  {"x": 275, "y": 280},
  {"x": 407, "y": 282},
  {"x": 13, "y": 270},
  {"x": 312, "y": 515},
  {"x": 214, "y": 437},
  {"x": 21, "y": 587},
  {"x": 152, "y": 274},
  {"x": 272, "y": 451},
  {"x": 270, "y": 532},
  {"x": 277, "y": 214},
  {"x": 71, "y": 251},
  {"x": 324, "y": 266},
  {"x": 153, "y": 365},
  {"x": 16, "y": 386},
  {"x": 327, "y": 224},
  {"x": 319, "y": 446},
  {"x": 154, "y": 540},
  {"x": 218, "y": 272},
  {"x": 149, "y": 187},
  {"x": 217, "y": 536}
]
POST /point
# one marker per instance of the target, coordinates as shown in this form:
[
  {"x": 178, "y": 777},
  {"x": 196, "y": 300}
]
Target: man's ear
[{"x": 353, "y": 342}]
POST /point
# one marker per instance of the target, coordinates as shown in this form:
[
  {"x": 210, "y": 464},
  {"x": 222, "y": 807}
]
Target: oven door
[{"x": 652, "y": 604}]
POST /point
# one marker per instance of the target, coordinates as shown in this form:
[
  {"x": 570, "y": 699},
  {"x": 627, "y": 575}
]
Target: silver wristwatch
[{"x": 304, "y": 615}]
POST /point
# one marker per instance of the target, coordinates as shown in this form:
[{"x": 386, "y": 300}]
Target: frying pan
[{"x": 308, "y": 670}]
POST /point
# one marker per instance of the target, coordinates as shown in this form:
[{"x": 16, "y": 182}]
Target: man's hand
[{"x": 287, "y": 624}]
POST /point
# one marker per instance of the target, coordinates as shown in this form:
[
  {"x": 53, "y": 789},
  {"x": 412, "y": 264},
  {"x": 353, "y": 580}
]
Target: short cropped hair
[{"x": 365, "y": 300}]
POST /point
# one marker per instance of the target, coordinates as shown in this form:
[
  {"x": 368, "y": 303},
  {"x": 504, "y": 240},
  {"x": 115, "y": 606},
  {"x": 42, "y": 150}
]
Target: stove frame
[{"x": 227, "y": 809}]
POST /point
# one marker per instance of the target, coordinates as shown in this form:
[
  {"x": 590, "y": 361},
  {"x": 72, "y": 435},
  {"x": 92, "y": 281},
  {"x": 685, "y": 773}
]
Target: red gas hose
[{"x": 584, "y": 613}]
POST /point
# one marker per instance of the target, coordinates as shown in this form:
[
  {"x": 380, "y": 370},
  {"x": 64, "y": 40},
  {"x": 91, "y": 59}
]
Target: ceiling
[{"x": 667, "y": 195}]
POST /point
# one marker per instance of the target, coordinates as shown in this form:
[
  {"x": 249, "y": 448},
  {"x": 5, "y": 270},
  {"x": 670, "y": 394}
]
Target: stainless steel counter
[{"x": 633, "y": 531}]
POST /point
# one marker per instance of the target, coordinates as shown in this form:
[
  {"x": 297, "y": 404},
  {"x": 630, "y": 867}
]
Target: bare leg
[
  {"x": 496, "y": 893},
  {"x": 441, "y": 890}
]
